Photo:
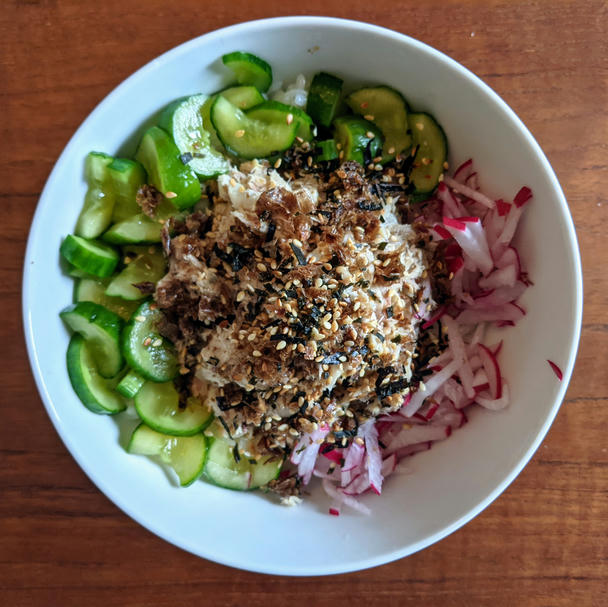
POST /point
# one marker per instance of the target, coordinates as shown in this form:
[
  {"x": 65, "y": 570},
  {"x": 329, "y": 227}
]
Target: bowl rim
[{"x": 36, "y": 231}]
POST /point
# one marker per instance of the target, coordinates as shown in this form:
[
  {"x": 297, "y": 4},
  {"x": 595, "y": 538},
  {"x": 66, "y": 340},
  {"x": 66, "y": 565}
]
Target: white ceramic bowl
[{"x": 456, "y": 479}]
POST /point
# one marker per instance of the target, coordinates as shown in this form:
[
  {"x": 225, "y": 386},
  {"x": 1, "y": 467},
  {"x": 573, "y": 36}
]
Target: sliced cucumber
[
  {"x": 247, "y": 137},
  {"x": 96, "y": 213},
  {"x": 160, "y": 157},
  {"x": 275, "y": 111},
  {"x": 127, "y": 177},
  {"x": 158, "y": 406},
  {"x": 101, "y": 329},
  {"x": 95, "y": 392},
  {"x": 183, "y": 120},
  {"x": 148, "y": 266},
  {"x": 327, "y": 151},
  {"x": 249, "y": 69},
  {"x": 89, "y": 256},
  {"x": 323, "y": 98},
  {"x": 387, "y": 109},
  {"x": 244, "y": 97},
  {"x": 223, "y": 470},
  {"x": 360, "y": 140},
  {"x": 145, "y": 350},
  {"x": 185, "y": 454},
  {"x": 136, "y": 229},
  {"x": 94, "y": 289},
  {"x": 431, "y": 143},
  {"x": 130, "y": 384}
]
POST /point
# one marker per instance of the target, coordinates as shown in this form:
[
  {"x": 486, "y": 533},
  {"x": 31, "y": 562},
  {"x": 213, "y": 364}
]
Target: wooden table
[{"x": 544, "y": 542}]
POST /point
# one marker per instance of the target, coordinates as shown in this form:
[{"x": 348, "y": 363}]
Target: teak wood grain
[{"x": 542, "y": 543}]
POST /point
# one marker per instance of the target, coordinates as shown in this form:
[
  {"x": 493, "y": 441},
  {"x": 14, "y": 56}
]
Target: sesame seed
[
  {"x": 232, "y": 181},
  {"x": 257, "y": 353},
  {"x": 338, "y": 146},
  {"x": 277, "y": 163},
  {"x": 327, "y": 325},
  {"x": 140, "y": 318},
  {"x": 170, "y": 195},
  {"x": 421, "y": 387},
  {"x": 391, "y": 150},
  {"x": 420, "y": 126},
  {"x": 240, "y": 296},
  {"x": 343, "y": 359},
  {"x": 239, "y": 133},
  {"x": 309, "y": 161},
  {"x": 283, "y": 427},
  {"x": 251, "y": 336},
  {"x": 157, "y": 342},
  {"x": 282, "y": 344},
  {"x": 446, "y": 166},
  {"x": 147, "y": 342},
  {"x": 370, "y": 135},
  {"x": 293, "y": 432},
  {"x": 341, "y": 154},
  {"x": 369, "y": 117},
  {"x": 261, "y": 267},
  {"x": 359, "y": 441},
  {"x": 289, "y": 118}
]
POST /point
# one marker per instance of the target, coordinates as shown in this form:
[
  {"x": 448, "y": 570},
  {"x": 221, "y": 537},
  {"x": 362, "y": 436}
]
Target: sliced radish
[{"x": 490, "y": 364}]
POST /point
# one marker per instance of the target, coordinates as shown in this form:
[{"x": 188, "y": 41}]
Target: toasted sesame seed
[
  {"x": 240, "y": 296},
  {"x": 232, "y": 181},
  {"x": 446, "y": 166},
  {"x": 309, "y": 161},
  {"x": 370, "y": 135},
  {"x": 147, "y": 342},
  {"x": 170, "y": 195},
  {"x": 426, "y": 161},
  {"x": 420, "y": 126},
  {"x": 257, "y": 353},
  {"x": 251, "y": 336},
  {"x": 391, "y": 150},
  {"x": 239, "y": 133},
  {"x": 341, "y": 154},
  {"x": 293, "y": 432},
  {"x": 261, "y": 267},
  {"x": 369, "y": 117},
  {"x": 282, "y": 344}
]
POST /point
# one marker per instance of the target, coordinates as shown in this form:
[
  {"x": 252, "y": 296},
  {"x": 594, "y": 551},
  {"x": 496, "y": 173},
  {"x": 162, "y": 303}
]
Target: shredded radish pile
[{"x": 486, "y": 280}]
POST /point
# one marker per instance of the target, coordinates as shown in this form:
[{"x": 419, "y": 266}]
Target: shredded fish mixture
[{"x": 295, "y": 301}]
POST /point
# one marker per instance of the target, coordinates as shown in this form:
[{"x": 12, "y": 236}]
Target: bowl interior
[{"x": 449, "y": 484}]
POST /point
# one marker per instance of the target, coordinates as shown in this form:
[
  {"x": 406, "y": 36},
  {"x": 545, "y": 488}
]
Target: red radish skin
[{"x": 556, "y": 370}]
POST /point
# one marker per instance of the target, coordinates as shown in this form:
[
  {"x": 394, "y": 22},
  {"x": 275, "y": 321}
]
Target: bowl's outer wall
[{"x": 449, "y": 484}]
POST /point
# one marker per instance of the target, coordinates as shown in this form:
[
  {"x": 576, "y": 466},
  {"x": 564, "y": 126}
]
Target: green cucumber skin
[
  {"x": 127, "y": 177},
  {"x": 249, "y": 69},
  {"x": 351, "y": 132},
  {"x": 101, "y": 328},
  {"x": 100, "y": 398},
  {"x": 160, "y": 157},
  {"x": 184, "y": 118},
  {"x": 138, "y": 229},
  {"x": 431, "y": 143},
  {"x": 146, "y": 441},
  {"x": 155, "y": 363},
  {"x": 99, "y": 200},
  {"x": 228, "y": 120},
  {"x": 157, "y": 404},
  {"x": 390, "y": 111},
  {"x": 323, "y": 98},
  {"x": 270, "y": 111},
  {"x": 328, "y": 151},
  {"x": 92, "y": 257},
  {"x": 94, "y": 289},
  {"x": 146, "y": 267},
  {"x": 222, "y": 470},
  {"x": 130, "y": 384}
]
